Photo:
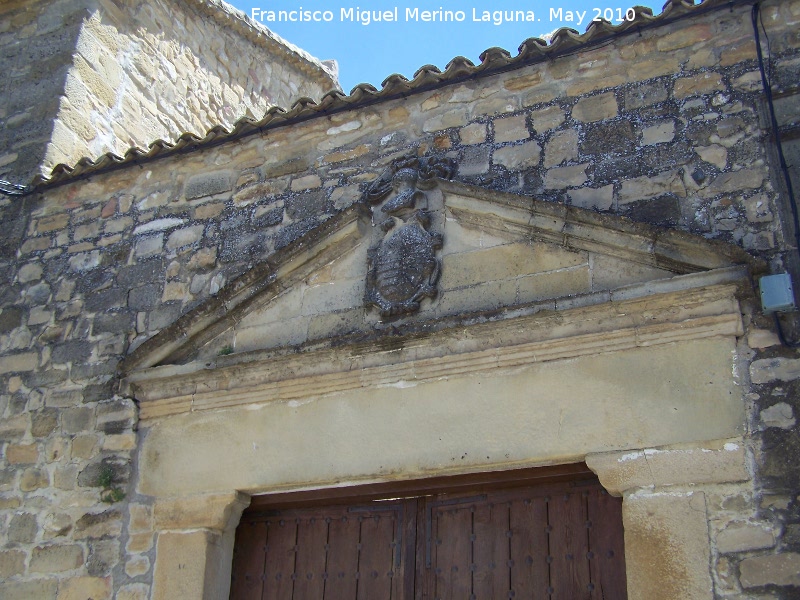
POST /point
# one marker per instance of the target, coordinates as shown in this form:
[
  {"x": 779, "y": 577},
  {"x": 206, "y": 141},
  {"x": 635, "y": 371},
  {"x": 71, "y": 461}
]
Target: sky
[{"x": 369, "y": 50}]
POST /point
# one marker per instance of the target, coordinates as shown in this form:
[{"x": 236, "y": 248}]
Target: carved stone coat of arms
[{"x": 404, "y": 267}]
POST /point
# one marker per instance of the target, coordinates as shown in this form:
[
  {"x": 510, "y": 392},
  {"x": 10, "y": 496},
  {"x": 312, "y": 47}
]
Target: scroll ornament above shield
[{"x": 403, "y": 266}]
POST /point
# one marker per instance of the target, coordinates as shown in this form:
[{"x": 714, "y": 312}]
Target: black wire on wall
[{"x": 756, "y": 15}]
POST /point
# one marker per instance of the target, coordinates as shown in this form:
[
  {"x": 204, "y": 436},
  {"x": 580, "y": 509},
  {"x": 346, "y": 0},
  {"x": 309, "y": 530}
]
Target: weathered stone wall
[
  {"x": 37, "y": 41},
  {"x": 110, "y": 76},
  {"x": 664, "y": 127}
]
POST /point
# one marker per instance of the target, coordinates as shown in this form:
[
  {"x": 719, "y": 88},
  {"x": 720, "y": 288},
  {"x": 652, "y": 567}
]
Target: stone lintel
[
  {"x": 721, "y": 461},
  {"x": 673, "y": 314}
]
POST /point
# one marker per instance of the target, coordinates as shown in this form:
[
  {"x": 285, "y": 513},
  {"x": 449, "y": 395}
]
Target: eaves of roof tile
[{"x": 493, "y": 61}]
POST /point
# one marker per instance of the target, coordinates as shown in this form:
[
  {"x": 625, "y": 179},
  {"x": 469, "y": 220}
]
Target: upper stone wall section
[{"x": 115, "y": 75}]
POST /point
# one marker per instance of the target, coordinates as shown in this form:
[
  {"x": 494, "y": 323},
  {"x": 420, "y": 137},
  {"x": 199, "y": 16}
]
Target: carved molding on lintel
[{"x": 630, "y": 323}]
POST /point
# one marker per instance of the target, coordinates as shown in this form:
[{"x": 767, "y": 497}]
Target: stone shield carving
[{"x": 404, "y": 267}]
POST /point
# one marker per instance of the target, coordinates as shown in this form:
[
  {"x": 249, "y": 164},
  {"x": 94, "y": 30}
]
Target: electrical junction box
[{"x": 777, "y": 294}]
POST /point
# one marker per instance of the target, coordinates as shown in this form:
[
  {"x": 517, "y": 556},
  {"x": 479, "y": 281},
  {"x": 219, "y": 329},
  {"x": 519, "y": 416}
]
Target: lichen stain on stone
[{"x": 667, "y": 571}]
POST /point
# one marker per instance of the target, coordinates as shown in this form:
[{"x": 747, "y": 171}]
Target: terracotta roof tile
[{"x": 493, "y": 60}]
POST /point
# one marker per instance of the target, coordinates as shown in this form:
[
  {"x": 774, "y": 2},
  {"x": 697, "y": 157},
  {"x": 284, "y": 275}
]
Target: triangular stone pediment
[{"x": 488, "y": 256}]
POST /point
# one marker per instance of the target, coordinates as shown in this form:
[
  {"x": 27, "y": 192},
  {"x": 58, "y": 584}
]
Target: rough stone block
[
  {"x": 158, "y": 225},
  {"x": 644, "y": 188},
  {"x": 603, "y": 139},
  {"x": 775, "y": 569},
  {"x": 115, "y": 417},
  {"x": 593, "y": 198},
  {"x": 209, "y": 184},
  {"x": 684, "y": 37},
  {"x": 595, "y": 108},
  {"x": 697, "y": 85},
  {"x": 12, "y": 562},
  {"x": 33, "y": 479},
  {"x": 451, "y": 118},
  {"x": 658, "y": 134},
  {"x": 473, "y": 134},
  {"x": 560, "y": 178},
  {"x": 184, "y": 237},
  {"x": 774, "y": 369},
  {"x": 645, "y": 94},
  {"x": 210, "y": 210},
  {"x": 743, "y": 537},
  {"x": 139, "y": 565},
  {"x": 40, "y": 589},
  {"x": 475, "y": 161},
  {"x": 144, "y": 297},
  {"x": 522, "y": 156},
  {"x": 149, "y": 246},
  {"x": 546, "y": 119},
  {"x": 76, "y": 420},
  {"x": 52, "y": 223},
  {"x": 510, "y": 129},
  {"x": 18, "y": 454},
  {"x": 140, "y": 542},
  {"x": 85, "y": 588},
  {"x": 19, "y": 363},
  {"x": 780, "y": 415},
  {"x": 63, "y": 398},
  {"x": 10, "y": 318},
  {"x": 304, "y": 206},
  {"x": 107, "y": 524},
  {"x": 306, "y": 182},
  {"x": 84, "y": 446},
  {"x": 23, "y": 528},
  {"x": 562, "y": 147},
  {"x": 175, "y": 290},
  {"x": 44, "y": 423},
  {"x": 30, "y": 272},
  {"x": 55, "y": 559}
]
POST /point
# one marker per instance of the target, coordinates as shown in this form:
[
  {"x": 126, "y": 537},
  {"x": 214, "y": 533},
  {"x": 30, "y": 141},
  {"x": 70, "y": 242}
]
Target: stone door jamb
[
  {"x": 194, "y": 551},
  {"x": 668, "y": 550}
]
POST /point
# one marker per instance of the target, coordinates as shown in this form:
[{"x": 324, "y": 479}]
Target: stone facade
[
  {"x": 107, "y": 76},
  {"x": 664, "y": 126}
]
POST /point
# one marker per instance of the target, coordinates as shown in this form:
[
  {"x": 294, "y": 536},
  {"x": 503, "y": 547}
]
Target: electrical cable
[{"x": 756, "y": 16}]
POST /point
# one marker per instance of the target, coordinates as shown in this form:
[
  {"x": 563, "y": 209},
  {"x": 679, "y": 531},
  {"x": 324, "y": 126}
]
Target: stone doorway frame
[{"x": 668, "y": 551}]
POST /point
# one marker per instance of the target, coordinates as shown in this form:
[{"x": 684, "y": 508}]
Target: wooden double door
[{"x": 552, "y": 540}]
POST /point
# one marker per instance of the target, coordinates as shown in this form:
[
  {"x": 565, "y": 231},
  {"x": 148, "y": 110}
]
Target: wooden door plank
[
  {"x": 569, "y": 547},
  {"x": 452, "y": 552},
  {"x": 606, "y": 547},
  {"x": 343, "y": 534},
  {"x": 491, "y": 539},
  {"x": 312, "y": 538},
  {"x": 376, "y": 566},
  {"x": 250, "y": 552},
  {"x": 280, "y": 560},
  {"x": 530, "y": 573}
]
